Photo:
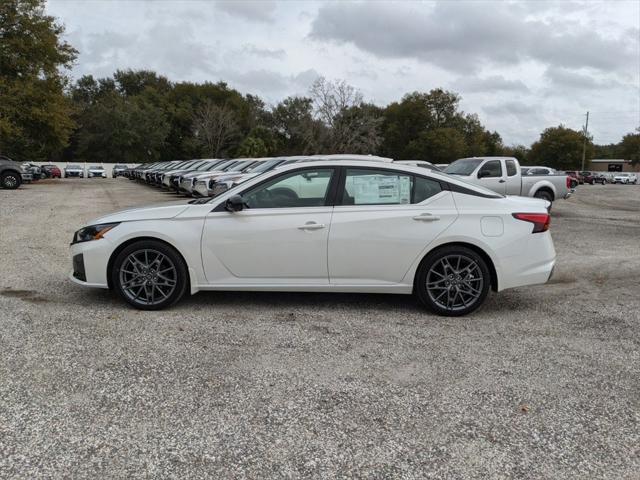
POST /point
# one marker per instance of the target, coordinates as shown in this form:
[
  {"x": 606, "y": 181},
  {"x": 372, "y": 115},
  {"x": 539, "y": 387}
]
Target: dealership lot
[{"x": 542, "y": 382}]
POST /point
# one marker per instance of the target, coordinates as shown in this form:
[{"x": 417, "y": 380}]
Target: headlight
[{"x": 93, "y": 232}]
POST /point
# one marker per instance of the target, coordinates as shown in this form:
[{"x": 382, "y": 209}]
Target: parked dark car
[
  {"x": 119, "y": 171},
  {"x": 593, "y": 177},
  {"x": 11, "y": 173},
  {"x": 51, "y": 171}
]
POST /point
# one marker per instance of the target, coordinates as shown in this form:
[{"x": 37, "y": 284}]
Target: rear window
[
  {"x": 464, "y": 166},
  {"x": 511, "y": 168}
]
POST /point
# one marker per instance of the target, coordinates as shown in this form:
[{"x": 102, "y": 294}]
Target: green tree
[
  {"x": 560, "y": 148},
  {"x": 35, "y": 114},
  {"x": 630, "y": 147},
  {"x": 123, "y": 130},
  {"x": 296, "y": 130},
  {"x": 440, "y": 145},
  {"x": 518, "y": 151}
]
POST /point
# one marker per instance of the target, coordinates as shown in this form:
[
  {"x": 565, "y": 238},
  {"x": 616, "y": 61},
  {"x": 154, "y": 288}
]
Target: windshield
[
  {"x": 264, "y": 166},
  {"x": 464, "y": 166},
  {"x": 73, "y": 166},
  {"x": 96, "y": 167},
  {"x": 207, "y": 167}
]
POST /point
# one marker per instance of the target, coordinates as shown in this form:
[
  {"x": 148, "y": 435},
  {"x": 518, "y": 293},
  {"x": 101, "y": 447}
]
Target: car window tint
[
  {"x": 424, "y": 188},
  {"x": 307, "y": 188},
  {"x": 491, "y": 169},
  {"x": 511, "y": 168},
  {"x": 376, "y": 187}
]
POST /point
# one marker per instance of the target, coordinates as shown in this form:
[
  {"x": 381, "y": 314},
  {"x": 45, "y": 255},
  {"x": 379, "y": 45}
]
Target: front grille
[{"x": 78, "y": 268}]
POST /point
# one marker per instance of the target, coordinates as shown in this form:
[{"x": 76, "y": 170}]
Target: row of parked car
[
  {"x": 586, "y": 177},
  {"x": 206, "y": 177}
]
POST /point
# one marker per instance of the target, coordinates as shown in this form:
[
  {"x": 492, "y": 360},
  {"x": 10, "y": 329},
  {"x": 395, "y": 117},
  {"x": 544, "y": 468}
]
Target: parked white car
[
  {"x": 325, "y": 226},
  {"x": 625, "y": 178},
  {"x": 96, "y": 171}
]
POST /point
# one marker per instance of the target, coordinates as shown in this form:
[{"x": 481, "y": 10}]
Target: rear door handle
[
  {"x": 426, "y": 217},
  {"x": 311, "y": 226}
]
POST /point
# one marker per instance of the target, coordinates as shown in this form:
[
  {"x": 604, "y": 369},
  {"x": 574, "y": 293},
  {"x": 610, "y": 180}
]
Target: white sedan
[{"x": 325, "y": 226}]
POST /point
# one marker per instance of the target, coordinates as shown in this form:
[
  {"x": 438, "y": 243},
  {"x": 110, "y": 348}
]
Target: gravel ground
[{"x": 542, "y": 382}]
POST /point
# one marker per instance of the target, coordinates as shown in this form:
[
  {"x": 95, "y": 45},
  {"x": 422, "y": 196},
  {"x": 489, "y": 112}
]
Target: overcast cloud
[{"x": 521, "y": 66}]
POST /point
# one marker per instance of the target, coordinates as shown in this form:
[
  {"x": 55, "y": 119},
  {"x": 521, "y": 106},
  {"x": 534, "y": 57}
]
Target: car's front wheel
[
  {"x": 453, "y": 281},
  {"x": 10, "y": 180},
  {"x": 150, "y": 275}
]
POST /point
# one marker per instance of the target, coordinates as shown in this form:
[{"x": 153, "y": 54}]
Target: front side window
[
  {"x": 307, "y": 188},
  {"x": 511, "y": 168},
  {"x": 490, "y": 169}
]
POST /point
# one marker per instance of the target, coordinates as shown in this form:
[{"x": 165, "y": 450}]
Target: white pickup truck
[{"x": 503, "y": 175}]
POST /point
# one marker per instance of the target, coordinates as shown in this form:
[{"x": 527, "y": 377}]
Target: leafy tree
[
  {"x": 560, "y": 148},
  {"x": 518, "y": 151},
  {"x": 294, "y": 126},
  {"x": 630, "y": 147},
  {"x": 136, "y": 131},
  {"x": 35, "y": 121},
  {"x": 440, "y": 145}
]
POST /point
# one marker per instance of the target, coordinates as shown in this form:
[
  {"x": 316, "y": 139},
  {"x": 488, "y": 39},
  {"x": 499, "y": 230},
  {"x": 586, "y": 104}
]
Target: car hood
[{"x": 152, "y": 212}]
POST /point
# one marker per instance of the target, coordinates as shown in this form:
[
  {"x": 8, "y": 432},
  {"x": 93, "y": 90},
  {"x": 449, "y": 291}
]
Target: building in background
[{"x": 613, "y": 165}]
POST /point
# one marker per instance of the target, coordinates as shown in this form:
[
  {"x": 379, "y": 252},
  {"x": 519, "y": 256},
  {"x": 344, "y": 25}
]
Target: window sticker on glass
[{"x": 381, "y": 189}]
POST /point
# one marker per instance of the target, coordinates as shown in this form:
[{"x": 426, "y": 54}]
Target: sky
[{"x": 520, "y": 66}]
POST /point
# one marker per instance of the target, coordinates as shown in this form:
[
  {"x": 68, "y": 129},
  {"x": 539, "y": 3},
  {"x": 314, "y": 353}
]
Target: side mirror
[{"x": 235, "y": 203}]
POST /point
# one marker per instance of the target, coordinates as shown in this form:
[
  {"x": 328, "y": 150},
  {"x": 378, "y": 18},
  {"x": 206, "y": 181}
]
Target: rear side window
[
  {"x": 511, "y": 168},
  {"x": 424, "y": 188},
  {"x": 385, "y": 187}
]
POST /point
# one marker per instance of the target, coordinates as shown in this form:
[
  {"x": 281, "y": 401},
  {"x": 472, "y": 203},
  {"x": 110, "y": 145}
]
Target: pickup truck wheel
[
  {"x": 543, "y": 194},
  {"x": 452, "y": 281},
  {"x": 10, "y": 180}
]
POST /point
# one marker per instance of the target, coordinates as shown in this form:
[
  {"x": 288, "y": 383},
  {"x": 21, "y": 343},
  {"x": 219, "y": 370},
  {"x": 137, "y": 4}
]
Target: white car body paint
[{"x": 350, "y": 248}]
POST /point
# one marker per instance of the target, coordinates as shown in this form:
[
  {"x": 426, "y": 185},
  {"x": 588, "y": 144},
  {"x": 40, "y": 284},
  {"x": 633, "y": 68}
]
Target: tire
[
  {"x": 452, "y": 281},
  {"x": 10, "y": 180},
  {"x": 149, "y": 275},
  {"x": 544, "y": 195}
]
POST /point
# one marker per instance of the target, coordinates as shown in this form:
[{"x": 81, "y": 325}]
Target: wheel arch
[
  {"x": 133, "y": 240},
  {"x": 545, "y": 188},
  {"x": 485, "y": 256}
]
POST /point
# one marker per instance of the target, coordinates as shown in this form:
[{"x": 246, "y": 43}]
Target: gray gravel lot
[{"x": 542, "y": 382}]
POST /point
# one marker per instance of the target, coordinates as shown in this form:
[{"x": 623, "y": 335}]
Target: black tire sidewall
[
  {"x": 165, "y": 249},
  {"x": 544, "y": 196},
  {"x": 420, "y": 287},
  {"x": 10, "y": 174}
]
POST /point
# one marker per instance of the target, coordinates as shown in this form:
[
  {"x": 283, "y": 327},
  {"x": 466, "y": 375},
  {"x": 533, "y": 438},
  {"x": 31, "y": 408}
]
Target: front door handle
[
  {"x": 426, "y": 217},
  {"x": 311, "y": 226},
  {"x": 501, "y": 181}
]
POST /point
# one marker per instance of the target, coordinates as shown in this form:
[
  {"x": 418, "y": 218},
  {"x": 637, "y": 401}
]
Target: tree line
[{"x": 138, "y": 116}]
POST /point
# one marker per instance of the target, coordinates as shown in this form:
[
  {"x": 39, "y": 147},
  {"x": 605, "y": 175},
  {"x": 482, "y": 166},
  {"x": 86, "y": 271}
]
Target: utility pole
[{"x": 584, "y": 144}]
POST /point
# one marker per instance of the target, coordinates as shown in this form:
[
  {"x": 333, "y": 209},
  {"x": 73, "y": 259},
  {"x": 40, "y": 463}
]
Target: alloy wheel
[
  {"x": 10, "y": 181},
  {"x": 455, "y": 282},
  {"x": 148, "y": 277}
]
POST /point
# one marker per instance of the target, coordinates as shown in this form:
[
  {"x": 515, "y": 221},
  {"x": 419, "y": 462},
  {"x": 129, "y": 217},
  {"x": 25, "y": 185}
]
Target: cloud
[
  {"x": 273, "y": 85},
  {"x": 510, "y": 108},
  {"x": 467, "y": 36},
  {"x": 252, "y": 10},
  {"x": 278, "y": 54},
  {"x": 489, "y": 84}
]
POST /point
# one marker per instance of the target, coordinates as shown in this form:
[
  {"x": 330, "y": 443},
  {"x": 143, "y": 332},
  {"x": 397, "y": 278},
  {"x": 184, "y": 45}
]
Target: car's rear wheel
[
  {"x": 150, "y": 275},
  {"x": 10, "y": 180},
  {"x": 453, "y": 281}
]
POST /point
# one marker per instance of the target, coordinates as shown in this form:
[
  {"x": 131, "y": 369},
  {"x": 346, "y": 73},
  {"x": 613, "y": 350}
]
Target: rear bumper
[{"x": 534, "y": 267}]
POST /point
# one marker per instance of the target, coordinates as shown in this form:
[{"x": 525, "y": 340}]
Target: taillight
[
  {"x": 541, "y": 221},
  {"x": 568, "y": 181}
]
